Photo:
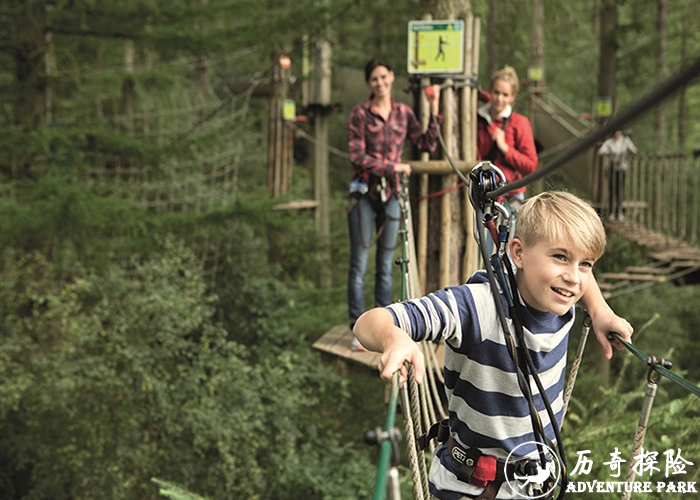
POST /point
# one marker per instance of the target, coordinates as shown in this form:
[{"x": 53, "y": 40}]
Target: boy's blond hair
[{"x": 560, "y": 216}]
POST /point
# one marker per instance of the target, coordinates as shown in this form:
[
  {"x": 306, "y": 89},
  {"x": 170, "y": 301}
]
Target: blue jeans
[{"x": 361, "y": 222}]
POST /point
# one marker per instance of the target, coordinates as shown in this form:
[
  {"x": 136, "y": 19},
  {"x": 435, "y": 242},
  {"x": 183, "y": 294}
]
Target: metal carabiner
[{"x": 484, "y": 177}]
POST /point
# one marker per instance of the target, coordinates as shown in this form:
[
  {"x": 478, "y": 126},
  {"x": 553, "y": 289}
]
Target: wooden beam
[
  {"x": 297, "y": 205},
  {"x": 647, "y": 270},
  {"x": 440, "y": 167},
  {"x": 634, "y": 277}
]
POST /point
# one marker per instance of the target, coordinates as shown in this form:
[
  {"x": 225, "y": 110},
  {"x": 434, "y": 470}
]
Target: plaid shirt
[{"x": 375, "y": 145}]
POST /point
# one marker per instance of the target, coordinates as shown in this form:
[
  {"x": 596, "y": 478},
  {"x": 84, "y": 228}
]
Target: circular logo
[{"x": 533, "y": 484}]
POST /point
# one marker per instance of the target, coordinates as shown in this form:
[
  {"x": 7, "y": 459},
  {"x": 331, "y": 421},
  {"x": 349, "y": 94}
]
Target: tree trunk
[
  {"x": 607, "y": 63},
  {"x": 446, "y": 237},
  {"x": 659, "y": 112},
  {"x": 128, "y": 85},
  {"x": 492, "y": 39},
  {"x": 536, "y": 81},
  {"x": 681, "y": 93},
  {"x": 30, "y": 77},
  {"x": 202, "y": 64},
  {"x": 607, "y": 66}
]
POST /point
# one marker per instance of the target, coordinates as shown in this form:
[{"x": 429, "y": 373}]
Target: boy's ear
[{"x": 516, "y": 252}]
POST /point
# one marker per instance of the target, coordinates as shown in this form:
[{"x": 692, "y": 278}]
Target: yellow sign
[
  {"x": 603, "y": 107},
  {"x": 435, "y": 47},
  {"x": 289, "y": 110},
  {"x": 535, "y": 74}
]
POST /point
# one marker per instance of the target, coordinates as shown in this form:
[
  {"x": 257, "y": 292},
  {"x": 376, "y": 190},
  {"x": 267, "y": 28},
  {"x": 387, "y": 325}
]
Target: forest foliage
[{"x": 156, "y": 312}]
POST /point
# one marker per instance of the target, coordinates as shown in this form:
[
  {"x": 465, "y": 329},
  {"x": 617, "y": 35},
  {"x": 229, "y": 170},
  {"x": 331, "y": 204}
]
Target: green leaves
[{"x": 110, "y": 379}]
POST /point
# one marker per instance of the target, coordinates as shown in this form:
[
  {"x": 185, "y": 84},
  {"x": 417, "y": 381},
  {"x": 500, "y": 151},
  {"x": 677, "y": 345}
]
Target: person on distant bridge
[
  {"x": 558, "y": 239},
  {"x": 504, "y": 137},
  {"x": 376, "y": 134},
  {"x": 617, "y": 149}
]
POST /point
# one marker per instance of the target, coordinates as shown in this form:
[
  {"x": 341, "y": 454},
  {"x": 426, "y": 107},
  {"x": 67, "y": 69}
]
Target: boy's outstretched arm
[
  {"x": 376, "y": 331},
  {"x": 604, "y": 320}
]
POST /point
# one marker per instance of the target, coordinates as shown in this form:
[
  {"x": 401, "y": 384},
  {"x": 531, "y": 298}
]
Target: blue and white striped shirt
[{"x": 486, "y": 407}]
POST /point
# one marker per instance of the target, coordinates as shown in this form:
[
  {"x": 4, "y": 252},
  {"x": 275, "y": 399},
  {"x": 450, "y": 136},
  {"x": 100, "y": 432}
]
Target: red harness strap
[{"x": 484, "y": 471}]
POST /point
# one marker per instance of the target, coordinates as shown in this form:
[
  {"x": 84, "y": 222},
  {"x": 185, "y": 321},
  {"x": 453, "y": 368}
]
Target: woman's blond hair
[
  {"x": 560, "y": 216},
  {"x": 508, "y": 75}
]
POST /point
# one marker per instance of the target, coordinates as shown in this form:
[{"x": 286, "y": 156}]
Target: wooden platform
[
  {"x": 335, "y": 344},
  {"x": 673, "y": 260},
  {"x": 335, "y": 348}
]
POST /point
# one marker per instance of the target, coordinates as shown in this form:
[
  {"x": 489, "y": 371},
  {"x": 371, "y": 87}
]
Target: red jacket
[{"x": 521, "y": 158}]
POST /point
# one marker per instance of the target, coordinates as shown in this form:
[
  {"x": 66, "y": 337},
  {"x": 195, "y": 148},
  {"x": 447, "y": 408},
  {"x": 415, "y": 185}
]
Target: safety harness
[{"x": 477, "y": 468}]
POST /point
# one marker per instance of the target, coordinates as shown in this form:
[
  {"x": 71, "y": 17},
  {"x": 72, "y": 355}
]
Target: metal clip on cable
[{"x": 486, "y": 177}]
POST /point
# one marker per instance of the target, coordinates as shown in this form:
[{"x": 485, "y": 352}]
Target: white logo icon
[{"x": 532, "y": 486}]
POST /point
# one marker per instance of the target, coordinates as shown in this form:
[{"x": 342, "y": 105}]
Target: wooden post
[
  {"x": 422, "y": 253},
  {"x": 128, "y": 57},
  {"x": 469, "y": 103},
  {"x": 323, "y": 100},
  {"x": 448, "y": 182},
  {"x": 279, "y": 166},
  {"x": 273, "y": 117}
]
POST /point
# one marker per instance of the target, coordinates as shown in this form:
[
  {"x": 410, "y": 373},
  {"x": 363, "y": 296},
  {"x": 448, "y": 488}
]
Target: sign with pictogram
[
  {"x": 435, "y": 47},
  {"x": 289, "y": 110},
  {"x": 603, "y": 107}
]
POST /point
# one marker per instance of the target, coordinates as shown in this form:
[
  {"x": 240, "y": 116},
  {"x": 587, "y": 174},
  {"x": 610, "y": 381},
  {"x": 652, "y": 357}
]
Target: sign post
[{"x": 435, "y": 47}]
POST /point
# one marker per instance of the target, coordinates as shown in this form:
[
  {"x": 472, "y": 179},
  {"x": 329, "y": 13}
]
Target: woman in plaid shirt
[{"x": 376, "y": 134}]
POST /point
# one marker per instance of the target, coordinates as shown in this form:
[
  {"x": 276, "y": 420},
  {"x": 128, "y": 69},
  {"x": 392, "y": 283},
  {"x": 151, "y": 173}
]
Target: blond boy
[{"x": 558, "y": 239}]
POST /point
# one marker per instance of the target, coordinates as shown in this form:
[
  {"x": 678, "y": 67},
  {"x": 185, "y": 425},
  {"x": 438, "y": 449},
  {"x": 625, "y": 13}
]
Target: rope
[
  {"x": 640, "y": 434},
  {"x": 417, "y": 405},
  {"x": 411, "y": 433},
  {"x": 439, "y": 193},
  {"x": 422, "y": 405},
  {"x": 313, "y": 140},
  {"x": 573, "y": 373}
]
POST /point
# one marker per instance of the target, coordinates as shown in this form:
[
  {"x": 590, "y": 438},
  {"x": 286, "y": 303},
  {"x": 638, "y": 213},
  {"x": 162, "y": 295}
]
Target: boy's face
[{"x": 552, "y": 276}]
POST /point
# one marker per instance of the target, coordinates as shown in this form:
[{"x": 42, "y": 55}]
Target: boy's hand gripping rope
[{"x": 387, "y": 480}]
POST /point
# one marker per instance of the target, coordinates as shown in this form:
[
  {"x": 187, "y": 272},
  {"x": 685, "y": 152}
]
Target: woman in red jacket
[{"x": 504, "y": 137}]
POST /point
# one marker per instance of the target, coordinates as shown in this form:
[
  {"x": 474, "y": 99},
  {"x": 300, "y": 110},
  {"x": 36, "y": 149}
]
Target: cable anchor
[{"x": 653, "y": 375}]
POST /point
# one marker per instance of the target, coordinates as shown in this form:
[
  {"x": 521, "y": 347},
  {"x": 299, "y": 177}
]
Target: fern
[{"x": 171, "y": 490}]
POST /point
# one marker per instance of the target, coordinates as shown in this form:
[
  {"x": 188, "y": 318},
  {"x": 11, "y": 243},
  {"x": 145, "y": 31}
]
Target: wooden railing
[{"x": 660, "y": 193}]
